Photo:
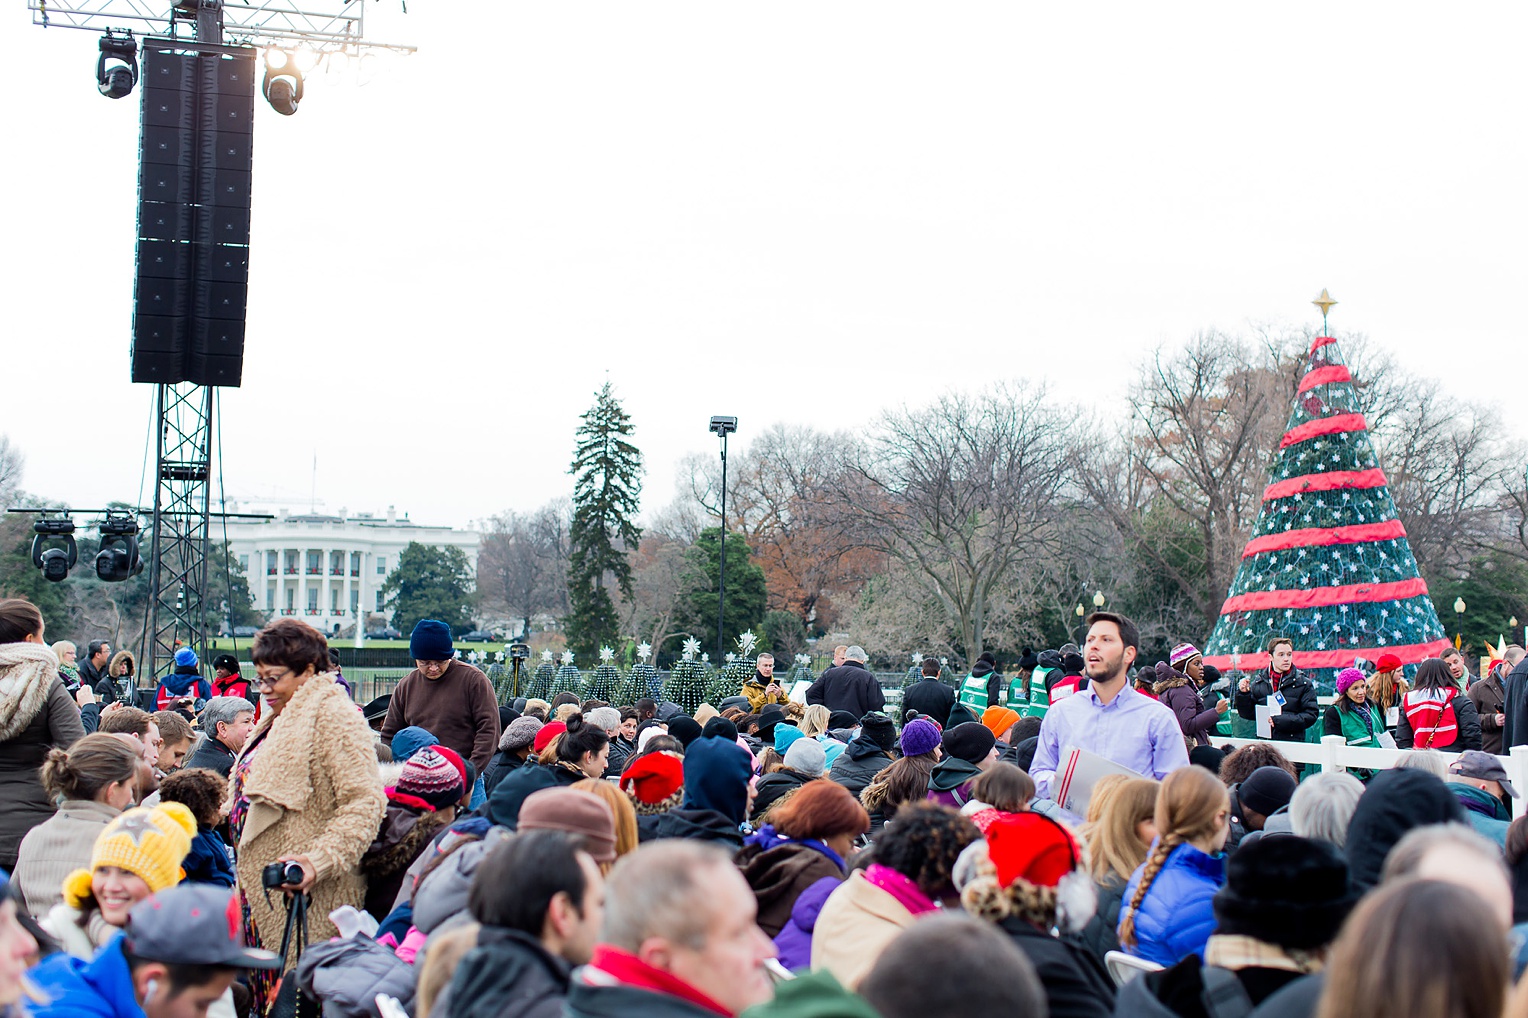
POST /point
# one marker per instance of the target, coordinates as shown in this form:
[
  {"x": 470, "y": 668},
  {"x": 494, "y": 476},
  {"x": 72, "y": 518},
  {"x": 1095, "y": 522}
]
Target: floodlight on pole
[{"x": 722, "y": 427}]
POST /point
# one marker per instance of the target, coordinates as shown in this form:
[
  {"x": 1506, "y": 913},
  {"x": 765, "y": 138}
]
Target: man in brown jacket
[
  {"x": 450, "y": 699},
  {"x": 1490, "y": 697}
]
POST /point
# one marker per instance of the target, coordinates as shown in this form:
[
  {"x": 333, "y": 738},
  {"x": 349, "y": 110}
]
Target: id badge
[
  {"x": 1279, "y": 699},
  {"x": 1393, "y": 717}
]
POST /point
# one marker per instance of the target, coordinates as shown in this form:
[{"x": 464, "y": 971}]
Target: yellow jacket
[{"x": 757, "y": 697}]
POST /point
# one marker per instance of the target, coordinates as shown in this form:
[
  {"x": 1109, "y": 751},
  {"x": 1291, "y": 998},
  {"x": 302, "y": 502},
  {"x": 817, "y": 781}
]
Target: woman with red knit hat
[
  {"x": 1029, "y": 879},
  {"x": 1386, "y": 687}
]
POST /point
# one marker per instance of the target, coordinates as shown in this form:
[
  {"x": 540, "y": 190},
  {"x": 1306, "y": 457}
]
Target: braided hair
[{"x": 1190, "y": 805}]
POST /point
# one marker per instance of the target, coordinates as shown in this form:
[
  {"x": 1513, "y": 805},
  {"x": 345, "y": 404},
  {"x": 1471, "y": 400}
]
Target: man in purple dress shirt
[{"x": 1109, "y": 718}]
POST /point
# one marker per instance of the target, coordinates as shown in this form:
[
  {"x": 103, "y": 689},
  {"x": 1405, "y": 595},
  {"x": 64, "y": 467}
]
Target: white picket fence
[{"x": 1334, "y": 754}]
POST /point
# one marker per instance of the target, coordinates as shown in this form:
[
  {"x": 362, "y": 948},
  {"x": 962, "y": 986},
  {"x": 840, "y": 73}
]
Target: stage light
[
  {"x": 55, "y": 561},
  {"x": 117, "y": 66},
  {"x": 118, "y": 558},
  {"x": 282, "y": 85}
]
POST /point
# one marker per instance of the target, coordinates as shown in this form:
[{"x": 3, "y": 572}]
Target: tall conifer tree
[{"x": 608, "y": 485}]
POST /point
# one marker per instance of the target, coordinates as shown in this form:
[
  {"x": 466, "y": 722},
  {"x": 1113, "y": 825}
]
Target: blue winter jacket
[
  {"x": 101, "y": 988},
  {"x": 1175, "y": 918},
  {"x": 208, "y": 862}
]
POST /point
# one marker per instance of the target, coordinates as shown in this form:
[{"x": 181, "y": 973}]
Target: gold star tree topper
[{"x": 1324, "y": 302}]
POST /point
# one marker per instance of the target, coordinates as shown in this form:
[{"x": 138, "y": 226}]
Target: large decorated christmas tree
[{"x": 1328, "y": 564}]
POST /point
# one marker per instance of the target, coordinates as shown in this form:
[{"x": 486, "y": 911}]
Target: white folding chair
[{"x": 1125, "y": 967}]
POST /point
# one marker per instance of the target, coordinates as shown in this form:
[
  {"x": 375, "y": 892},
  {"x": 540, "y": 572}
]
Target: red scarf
[
  {"x": 613, "y": 966},
  {"x": 1274, "y": 677}
]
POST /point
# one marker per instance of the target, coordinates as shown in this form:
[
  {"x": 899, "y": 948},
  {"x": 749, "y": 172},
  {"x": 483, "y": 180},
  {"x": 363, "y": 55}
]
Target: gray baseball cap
[
  {"x": 193, "y": 924},
  {"x": 1473, "y": 763}
]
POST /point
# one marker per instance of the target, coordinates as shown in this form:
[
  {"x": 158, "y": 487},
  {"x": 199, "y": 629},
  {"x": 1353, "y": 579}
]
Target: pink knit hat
[
  {"x": 1181, "y": 653},
  {"x": 1346, "y": 678}
]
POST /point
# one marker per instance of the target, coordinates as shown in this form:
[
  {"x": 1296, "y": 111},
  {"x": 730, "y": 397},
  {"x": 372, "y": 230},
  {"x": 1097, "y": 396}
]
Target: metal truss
[
  {"x": 322, "y": 26},
  {"x": 181, "y": 504}
]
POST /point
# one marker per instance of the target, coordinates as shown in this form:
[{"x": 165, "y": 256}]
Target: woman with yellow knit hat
[{"x": 137, "y": 854}]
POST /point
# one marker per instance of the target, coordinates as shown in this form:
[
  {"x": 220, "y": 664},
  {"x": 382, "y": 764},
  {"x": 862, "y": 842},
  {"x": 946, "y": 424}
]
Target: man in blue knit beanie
[{"x": 448, "y": 698}]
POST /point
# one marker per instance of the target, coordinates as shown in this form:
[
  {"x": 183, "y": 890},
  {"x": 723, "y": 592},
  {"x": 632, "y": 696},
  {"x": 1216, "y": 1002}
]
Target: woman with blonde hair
[
  {"x": 1121, "y": 825},
  {"x": 1168, "y": 916},
  {"x": 1386, "y": 687},
  {"x": 620, "y": 805}
]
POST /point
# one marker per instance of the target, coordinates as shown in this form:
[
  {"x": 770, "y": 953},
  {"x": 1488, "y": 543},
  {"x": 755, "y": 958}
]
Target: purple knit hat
[
  {"x": 1347, "y": 678},
  {"x": 920, "y": 736},
  {"x": 1183, "y": 652}
]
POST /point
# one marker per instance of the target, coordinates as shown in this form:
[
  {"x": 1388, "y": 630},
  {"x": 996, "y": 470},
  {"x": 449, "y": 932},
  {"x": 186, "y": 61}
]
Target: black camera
[{"x": 281, "y": 874}]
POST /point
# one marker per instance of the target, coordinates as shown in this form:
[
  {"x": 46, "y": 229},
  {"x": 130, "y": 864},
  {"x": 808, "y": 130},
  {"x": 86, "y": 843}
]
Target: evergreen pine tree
[
  {"x": 1328, "y": 564},
  {"x": 608, "y": 484},
  {"x": 569, "y": 678},
  {"x": 687, "y": 683},
  {"x": 642, "y": 681},
  {"x": 540, "y": 685}
]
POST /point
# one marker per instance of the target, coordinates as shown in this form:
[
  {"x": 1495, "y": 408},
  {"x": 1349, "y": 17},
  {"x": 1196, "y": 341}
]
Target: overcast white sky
[{"x": 799, "y": 212}]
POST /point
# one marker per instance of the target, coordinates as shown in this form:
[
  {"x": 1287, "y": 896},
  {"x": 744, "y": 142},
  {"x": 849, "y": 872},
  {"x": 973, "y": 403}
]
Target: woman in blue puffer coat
[{"x": 1168, "y": 915}]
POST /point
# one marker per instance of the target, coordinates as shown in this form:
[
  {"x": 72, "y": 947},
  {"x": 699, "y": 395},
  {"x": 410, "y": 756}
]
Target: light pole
[{"x": 722, "y": 426}]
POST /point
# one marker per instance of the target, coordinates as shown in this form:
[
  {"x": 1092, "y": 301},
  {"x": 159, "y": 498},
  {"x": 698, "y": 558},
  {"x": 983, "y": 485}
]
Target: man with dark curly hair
[{"x": 911, "y": 872}]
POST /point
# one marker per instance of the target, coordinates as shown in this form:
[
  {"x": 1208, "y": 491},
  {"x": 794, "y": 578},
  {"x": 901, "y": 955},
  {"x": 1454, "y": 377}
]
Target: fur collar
[
  {"x": 647, "y": 809},
  {"x": 279, "y": 774},
  {"x": 27, "y": 671},
  {"x": 387, "y": 856},
  {"x": 1171, "y": 682}
]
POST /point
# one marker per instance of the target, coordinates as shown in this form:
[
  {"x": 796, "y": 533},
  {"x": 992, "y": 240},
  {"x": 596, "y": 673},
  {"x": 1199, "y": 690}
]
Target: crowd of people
[{"x": 263, "y": 845}]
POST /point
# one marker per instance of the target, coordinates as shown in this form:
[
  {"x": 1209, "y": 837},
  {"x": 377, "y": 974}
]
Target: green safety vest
[{"x": 973, "y": 692}]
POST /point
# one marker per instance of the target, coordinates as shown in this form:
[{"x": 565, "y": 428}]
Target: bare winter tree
[
  {"x": 522, "y": 563},
  {"x": 662, "y": 575},
  {"x": 959, "y": 493},
  {"x": 11, "y": 463}
]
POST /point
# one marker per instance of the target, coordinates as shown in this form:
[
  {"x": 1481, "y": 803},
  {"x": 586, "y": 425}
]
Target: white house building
[{"x": 329, "y": 570}]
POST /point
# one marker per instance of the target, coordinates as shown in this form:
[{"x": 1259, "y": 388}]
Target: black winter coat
[
  {"x": 212, "y": 755},
  {"x": 508, "y": 975},
  {"x": 517, "y": 785},
  {"x": 849, "y": 687},
  {"x": 858, "y": 765},
  {"x": 23, "y": 803},
  {"x": 774, "y": 787},
  {"x": 1300, "y": 711},
  {"x": 1076, "y": 984},
  {"x": 929, "y": 697},
  {"x": 585, "y": 1001},
  {"x": 1099, "y": 936},
  {"x": 699, "y": 824},
  {"x": 1515, "y": 731}
]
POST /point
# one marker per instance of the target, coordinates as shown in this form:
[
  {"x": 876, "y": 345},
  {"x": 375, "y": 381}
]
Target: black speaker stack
[{"x": 193, "y": 212}]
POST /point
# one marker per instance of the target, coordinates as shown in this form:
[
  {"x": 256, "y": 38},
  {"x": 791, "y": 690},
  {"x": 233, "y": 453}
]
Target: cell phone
[
  {"x": 389, "y": 1007},
  {"x": 777, "y": 973}
]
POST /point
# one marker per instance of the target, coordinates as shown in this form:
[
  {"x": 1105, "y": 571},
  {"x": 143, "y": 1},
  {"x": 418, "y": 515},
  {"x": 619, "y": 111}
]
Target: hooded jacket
[
  {"x": 1394, "y": 802},
  {"x": 517, "y": 784},
  {"x": 780, "y": 869},
  {"x": 407, "y": 829},
  {"x": 858, "y": 765},
  {"x": 1177, "y": 691},
  {"x": 774, "y": 787},
  {"x": 99, "y": 988},
  {"x": 1484, "y": 811},
  {"x": 181, "y": 683},
  {"x": 36, "y": 715},
  {"x": 984, "y": 687},
  {"x": 348, "y": 974},
  {"x": 509, "y": 974},
  {"x": 950, "y": 783},
  {"x": 1176, "y": 919}
]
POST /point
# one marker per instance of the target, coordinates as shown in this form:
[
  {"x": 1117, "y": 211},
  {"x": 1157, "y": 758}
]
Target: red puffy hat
[
  {"x": 1387, "y": 663},
  {"x": 654, "y": 777},
  {"x": 546, "y": 733},
  {"x": 1031, "y": 847}
]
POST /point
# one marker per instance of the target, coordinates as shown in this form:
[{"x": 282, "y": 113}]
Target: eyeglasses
[{"x": 269, "y": 681}]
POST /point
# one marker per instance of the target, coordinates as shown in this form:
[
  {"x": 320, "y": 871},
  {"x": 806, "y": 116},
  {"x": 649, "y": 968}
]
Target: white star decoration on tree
[
  {"x": 691, "y": 648},
  {"x": 567, "y": 657},
  {"x": 605, "y": 655},
  {"x": 644, "y": 650},
  {"x": 546, "y": 656}
]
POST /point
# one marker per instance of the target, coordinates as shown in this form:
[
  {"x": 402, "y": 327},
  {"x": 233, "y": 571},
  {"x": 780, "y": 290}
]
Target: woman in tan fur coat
[{"x": 305, "y": 787}]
